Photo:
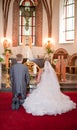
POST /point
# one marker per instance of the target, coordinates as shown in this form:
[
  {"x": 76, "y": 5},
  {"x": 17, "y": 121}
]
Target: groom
[{"x": 19, "y": 77}]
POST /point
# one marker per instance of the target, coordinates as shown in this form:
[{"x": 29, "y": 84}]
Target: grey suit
[{"x": 20, "y": 78}]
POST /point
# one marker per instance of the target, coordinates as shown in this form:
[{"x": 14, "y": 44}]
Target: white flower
[{"x": 55, "y": 61}]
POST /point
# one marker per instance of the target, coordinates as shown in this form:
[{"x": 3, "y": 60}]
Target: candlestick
[
  {"x": 30, "y": 41},
  {"x": 7, "y": 67}
]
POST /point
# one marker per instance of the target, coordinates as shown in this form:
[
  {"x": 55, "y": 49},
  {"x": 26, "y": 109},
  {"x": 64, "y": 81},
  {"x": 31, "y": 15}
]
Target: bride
[{"x": 47, "y": 99}]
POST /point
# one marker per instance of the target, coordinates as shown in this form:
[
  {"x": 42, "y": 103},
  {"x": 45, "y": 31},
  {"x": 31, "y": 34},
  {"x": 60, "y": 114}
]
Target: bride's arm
[{"x": 39, "y": 75}]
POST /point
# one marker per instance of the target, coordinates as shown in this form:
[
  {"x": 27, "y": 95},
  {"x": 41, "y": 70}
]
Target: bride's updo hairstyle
[{"x": 47, "y": 59}]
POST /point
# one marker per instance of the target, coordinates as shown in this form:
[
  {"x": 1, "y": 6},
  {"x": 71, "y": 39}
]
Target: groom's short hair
[{"x": 19, "y": 57}]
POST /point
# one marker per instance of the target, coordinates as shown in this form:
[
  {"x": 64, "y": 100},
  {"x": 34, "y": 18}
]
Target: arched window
[
  {"x": 26, "y": 23},
  {"x": 67, "y": 21}
]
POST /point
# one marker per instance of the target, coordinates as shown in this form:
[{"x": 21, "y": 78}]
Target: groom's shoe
[
  {"x": 22, "y": 101},
  {"x": 17, "y": 105},
  {"x": 13, "y": 106}
]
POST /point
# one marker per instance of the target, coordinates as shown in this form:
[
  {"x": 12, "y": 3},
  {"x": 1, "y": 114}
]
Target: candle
[{"x": 34, "y": 69}]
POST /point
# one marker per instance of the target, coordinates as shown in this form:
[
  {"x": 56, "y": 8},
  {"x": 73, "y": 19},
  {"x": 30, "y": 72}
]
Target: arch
[
  {"x": 60, "y": 51},
  {"x": 72, "y": 59}
]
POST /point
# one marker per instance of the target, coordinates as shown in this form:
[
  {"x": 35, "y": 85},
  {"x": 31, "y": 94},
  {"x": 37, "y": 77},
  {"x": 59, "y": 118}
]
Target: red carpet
[{"x": 20, "y": 120}]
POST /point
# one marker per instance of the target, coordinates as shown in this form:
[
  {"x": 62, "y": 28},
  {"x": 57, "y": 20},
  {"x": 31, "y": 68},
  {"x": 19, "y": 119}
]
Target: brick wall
[{"x": 15, "y": 23}]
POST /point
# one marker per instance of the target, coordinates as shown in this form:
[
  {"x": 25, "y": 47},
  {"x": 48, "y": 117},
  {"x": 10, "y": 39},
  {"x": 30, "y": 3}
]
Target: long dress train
[{"x": 47, "y": 99}]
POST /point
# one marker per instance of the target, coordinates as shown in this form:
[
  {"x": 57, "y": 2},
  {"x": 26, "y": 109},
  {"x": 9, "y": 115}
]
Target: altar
[{"x": 39, "y": 62}]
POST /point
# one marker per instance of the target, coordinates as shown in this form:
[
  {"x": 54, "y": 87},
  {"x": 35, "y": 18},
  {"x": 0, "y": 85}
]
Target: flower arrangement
[
  {"x": 55, "y": 61},
  {"x": 1, "y": 58},
  {"x": 49, "y": 48},
  {"x": 7, "y": 50}
]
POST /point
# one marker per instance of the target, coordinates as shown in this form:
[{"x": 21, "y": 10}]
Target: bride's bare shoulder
[{"x": 41, "y": 70}]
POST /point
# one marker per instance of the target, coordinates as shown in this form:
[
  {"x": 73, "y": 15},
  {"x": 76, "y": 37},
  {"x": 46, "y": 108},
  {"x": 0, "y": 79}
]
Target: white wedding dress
[{"x": 47, "y": 99}]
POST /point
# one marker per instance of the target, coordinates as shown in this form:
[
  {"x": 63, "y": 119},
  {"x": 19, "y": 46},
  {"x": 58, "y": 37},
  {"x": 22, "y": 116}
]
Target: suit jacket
[{"x": 20, "y": 78}]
